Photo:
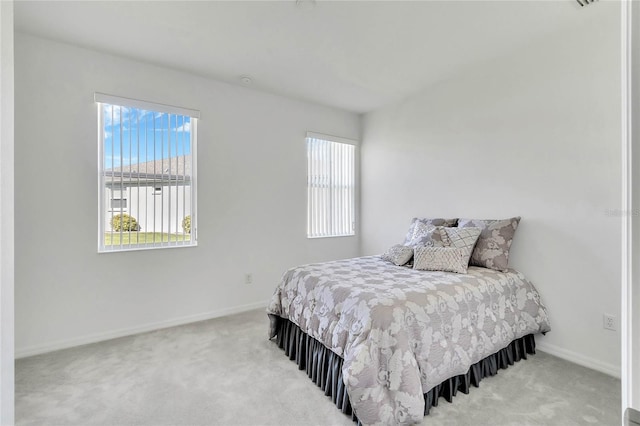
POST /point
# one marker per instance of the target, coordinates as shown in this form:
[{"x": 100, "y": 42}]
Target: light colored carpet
[{"x": 225, "y": 372}]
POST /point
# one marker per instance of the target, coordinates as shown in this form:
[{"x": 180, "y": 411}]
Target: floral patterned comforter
[{"x": 401, "y": 331}]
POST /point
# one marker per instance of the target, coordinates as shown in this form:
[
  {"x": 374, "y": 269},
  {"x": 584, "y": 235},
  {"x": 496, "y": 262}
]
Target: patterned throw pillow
[
  {"x": 492, "y": 250},
  {"x": 462, "y": 238},
  {"x": 427, "y": 221},
  {"x": 398, "y": 254},
  {"x": 448, "y": 259},
  {"x": 427, "y": 235}
]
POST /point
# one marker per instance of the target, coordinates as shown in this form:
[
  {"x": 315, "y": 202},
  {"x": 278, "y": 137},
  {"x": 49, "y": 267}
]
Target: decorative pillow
[
  {"x": 462, "y": 238},
  {"x": 427, "y": 235},
  {"x": 427, "y": 221},
  {"x": 448, "y": 259},
  {"x": 398, "y": 254},
  {"x": 492, "y": 249}
]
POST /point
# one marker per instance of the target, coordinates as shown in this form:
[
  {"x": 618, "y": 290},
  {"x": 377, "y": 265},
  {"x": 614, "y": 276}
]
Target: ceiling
[{"x": 355, "y": 55}]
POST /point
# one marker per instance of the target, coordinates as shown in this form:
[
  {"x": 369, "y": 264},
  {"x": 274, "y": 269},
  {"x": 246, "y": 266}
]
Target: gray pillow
[
  {"x": 427, "y": 221},
  {"x": 492, "y": 249},
  {"x": 398, "y": 254},
  {"x": 427, "y": 235},
  {"x": 447, "y": 259}
]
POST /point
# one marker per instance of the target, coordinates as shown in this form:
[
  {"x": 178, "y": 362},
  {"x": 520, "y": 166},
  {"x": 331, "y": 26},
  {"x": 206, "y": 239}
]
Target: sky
[{"x": 133, "y": 135}]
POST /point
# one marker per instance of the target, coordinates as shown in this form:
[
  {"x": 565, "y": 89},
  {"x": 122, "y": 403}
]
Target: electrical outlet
[
  {"x": 248, "y": 278},
  {"x": 609, "y": 322}
]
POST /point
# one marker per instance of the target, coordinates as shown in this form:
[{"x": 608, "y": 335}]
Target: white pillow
[
  {"x": 453, "y": 257},
  {"x": 447, "y": 259},
  {"x": 462, "y": 238}
]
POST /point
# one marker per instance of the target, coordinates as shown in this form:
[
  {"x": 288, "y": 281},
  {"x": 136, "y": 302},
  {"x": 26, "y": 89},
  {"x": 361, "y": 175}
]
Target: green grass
[{"x": 142, "y": 238}]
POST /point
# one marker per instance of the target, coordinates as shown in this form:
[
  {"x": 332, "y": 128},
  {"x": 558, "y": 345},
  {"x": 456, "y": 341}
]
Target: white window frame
[
  {"x": 331, "y": 224},
  {"x": 101, "y": 99}
]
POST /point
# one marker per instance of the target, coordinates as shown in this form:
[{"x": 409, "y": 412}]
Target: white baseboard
[
  {"x": 576, "y": 358},
  {"x": 98, "y": 337}
]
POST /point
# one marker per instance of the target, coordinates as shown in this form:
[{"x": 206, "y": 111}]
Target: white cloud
[
  {"x": 111, "y": 161},
  {"x": 130, "y": 116},
  {"x": 113, "y": 114},
  {"x": 186, "y": 127}
]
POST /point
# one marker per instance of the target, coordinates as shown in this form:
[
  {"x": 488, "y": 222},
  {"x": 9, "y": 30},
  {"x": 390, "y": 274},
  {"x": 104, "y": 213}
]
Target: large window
[
  {"x": 146, "y": 174},
  {"x": 330, "y": 186}
]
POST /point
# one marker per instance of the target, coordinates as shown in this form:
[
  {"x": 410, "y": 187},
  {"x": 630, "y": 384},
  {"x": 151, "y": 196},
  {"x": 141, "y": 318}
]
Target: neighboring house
[{"x": 148, "y": 190}]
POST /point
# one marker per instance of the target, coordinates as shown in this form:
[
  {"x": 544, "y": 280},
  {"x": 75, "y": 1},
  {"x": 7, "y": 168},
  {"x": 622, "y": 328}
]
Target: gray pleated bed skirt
[{"x": 324, "y": 367}]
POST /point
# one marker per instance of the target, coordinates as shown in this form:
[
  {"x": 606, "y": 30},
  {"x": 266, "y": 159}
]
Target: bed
[{"x": 385, "y": 341}]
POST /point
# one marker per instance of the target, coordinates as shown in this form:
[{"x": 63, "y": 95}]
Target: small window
[
  {"x": 147, "y": 174},
  {"x": 331, "y": 186},
  {"x": 118, "y": 203}
]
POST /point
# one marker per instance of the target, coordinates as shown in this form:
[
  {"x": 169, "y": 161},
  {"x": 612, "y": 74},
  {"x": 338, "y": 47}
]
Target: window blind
[
  {"x": 147, "y": 178},
  {"x": 330, "y": 188}
]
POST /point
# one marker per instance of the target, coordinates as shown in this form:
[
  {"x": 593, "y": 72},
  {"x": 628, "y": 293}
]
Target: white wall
[
  {"x": 634, "y": 321},
  {"x": 6, "y": 214},
  {"x": 535, "y": 133},
  {"x": 251, "y": 200}
]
